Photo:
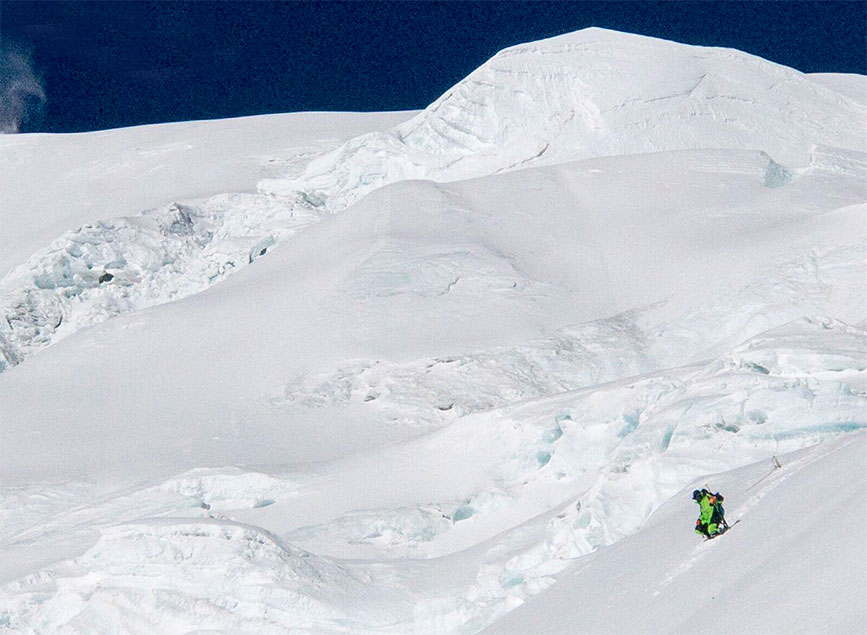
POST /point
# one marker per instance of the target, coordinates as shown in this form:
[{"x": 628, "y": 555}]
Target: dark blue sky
[{"x": 110, "y": 64}]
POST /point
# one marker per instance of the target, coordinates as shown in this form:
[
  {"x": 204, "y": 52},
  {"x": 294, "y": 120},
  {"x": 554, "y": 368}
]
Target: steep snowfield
[
  {"x": 488, "y": 267},
  {"x": 853, "y": 86},
  {"x": 72, "y": 208},
  {"x": 793, "y": 564},
  {"x": 444, "y": 360}
]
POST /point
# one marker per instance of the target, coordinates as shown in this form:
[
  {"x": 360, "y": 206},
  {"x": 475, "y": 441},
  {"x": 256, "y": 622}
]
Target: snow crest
[
  {"x": 537, "y": 104},
  {"x": 589, "y": 94}
]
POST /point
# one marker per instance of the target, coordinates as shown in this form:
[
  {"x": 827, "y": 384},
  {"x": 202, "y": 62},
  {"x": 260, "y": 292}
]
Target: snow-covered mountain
[{"x": 431, "y": 361}]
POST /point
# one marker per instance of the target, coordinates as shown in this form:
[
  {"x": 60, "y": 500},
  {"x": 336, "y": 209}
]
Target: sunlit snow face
[{"x": 424, "y": 367}]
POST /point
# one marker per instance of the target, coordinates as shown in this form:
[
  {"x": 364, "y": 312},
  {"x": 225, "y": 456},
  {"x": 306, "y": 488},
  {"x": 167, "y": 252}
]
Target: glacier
[{"x": 416, "y": 372}]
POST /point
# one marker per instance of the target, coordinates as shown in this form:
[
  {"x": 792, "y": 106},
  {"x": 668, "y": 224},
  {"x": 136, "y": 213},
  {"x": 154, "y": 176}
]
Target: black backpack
[{"x": 719, "y": 513}]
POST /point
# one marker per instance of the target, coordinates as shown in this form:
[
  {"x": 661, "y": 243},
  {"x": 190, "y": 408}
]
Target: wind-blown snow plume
[{"x": 21, "y": 92}]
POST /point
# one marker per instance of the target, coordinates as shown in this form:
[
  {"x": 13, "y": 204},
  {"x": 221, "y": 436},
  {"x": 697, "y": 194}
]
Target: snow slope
[
  {"x": 495, "y": 505},
  {"x": 405, "y": 383},
  {"x": 587, "y": 94},
  {"x": 537, "y": 104},
  {"x": 792, "y": 564},
  {"x": 466, "y": 268},
  {"x": 91, "y": 185},
  {"x": 55, "y": 183},
  {"x": 851, "y": 85}
]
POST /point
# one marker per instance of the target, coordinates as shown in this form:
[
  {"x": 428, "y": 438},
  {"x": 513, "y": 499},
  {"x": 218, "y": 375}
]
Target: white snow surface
[
  {"x": 661, "y": 581},
  {"x": 588, "y": 94},
  {"x": 437, "y": 366},
  {"x": 53, "y": 183}
]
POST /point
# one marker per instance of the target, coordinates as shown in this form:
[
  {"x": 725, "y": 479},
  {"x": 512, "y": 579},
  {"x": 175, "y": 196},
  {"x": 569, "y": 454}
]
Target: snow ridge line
[{"x": 509, "y": 114}]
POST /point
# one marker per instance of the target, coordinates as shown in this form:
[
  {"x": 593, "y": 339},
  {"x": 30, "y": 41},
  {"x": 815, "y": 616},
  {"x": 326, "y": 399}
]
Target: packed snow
[
  {"x": 791, "y": 545},
  {"x": 447, "y": 371}
]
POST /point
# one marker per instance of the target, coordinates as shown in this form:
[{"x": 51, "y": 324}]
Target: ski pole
[{"x": 777, "y": 465}]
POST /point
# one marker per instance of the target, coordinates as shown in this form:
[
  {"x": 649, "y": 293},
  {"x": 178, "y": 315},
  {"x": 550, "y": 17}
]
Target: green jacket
[{"x": 706, "y": 507}]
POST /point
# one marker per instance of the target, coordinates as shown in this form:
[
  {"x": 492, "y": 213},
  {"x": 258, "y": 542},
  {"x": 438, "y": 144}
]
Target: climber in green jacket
[{"x": 711, "y": 518}]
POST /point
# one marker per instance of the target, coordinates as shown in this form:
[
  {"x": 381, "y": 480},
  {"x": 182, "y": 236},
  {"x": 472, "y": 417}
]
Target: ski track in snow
[
  {"x": 770, "y": 482},
  {"x": 550, "y": 447}
]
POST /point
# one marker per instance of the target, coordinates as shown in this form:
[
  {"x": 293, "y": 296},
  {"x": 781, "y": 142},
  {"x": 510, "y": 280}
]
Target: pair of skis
[{"x": 724, "y": 527}]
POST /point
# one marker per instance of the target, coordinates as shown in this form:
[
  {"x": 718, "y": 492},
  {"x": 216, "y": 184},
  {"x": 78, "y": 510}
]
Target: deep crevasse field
[{"x": 433, "y": 361}]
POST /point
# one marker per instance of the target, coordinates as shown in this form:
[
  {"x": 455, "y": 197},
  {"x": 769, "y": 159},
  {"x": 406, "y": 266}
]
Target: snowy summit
[{"x": 449, "y": 371}]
